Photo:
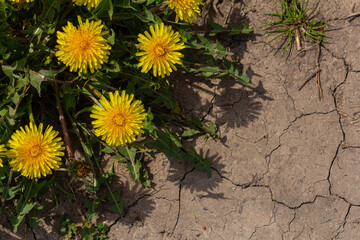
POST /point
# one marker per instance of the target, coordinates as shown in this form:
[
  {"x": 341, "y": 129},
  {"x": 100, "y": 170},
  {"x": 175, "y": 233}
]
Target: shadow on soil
[
  {"x": 236, "y": 106},
  {"x": 226, "y": 99}
]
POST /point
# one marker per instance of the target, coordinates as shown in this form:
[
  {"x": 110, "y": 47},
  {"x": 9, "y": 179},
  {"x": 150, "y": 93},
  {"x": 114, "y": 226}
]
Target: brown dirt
[{"x": 286, "y": 166}]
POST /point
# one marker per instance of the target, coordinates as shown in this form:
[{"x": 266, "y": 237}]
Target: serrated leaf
[
  {"x": 216, "y": 27},
  {"x": 206, "y": 42},
  {"x": 134, "y": 169},
  {"x": 204, "y": 165},
  {"x": 35, "y": 81}
]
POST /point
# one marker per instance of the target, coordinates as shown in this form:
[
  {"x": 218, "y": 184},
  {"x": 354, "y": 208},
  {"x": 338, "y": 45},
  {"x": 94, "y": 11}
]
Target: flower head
[
  {"x": 35, "y": 153},
  {"x": 80, "y": 168},
  {"x": 89, "y": 3},
  {"x": 120, "y": 119},
  {"x": 2, "y": 153},
  {"x": 22, "y": 1},
  {"x": 186, "y": 9},
  {"x": 83, "y": 47},
  {"x": 160, "y": 50}
]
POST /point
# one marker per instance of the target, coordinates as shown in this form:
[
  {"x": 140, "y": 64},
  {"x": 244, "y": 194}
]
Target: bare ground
[{"x": 287, "y": 164}]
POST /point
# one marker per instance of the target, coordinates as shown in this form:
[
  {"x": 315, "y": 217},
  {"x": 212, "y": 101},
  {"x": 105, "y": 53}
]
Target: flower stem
[
  {"x": 63, "y": 123},
  {"x": 7, "y": 189}
]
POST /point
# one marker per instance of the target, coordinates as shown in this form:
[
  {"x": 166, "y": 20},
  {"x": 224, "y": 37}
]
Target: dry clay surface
[{"x": 287, "y": 165}]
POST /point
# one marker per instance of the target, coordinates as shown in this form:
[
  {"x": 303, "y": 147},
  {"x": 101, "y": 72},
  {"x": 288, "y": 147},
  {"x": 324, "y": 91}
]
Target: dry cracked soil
[{"x": 287, "y": 163}]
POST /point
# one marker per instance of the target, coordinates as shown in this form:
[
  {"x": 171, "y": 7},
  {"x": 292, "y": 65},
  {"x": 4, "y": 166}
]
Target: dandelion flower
[
  {"x": 35, "y": 153},
  {"x": 2, "y": 153},
  {"x": 160, "y": 50},
  {"x": 88, "y": 3},
  {"x": 186, "y": 9},
  {"x": 120, "y": 119},
  {"x": 22, "y": 1},
  {"x": 83, "y": 47}
]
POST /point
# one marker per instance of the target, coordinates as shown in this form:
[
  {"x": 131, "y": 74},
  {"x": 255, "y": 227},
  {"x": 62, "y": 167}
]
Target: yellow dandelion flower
[
  {"x": 83, "y": 47},
  {"x": 2, "y": 153},
  {"x": 186, "y": 9},
  {"x": 22, "y": 1},
  {"x": 35, "y": 153},
  {"x": 160, "y": 50},
  {"x": 120, "y": 119},
  {"x": 88, "y": 3}
]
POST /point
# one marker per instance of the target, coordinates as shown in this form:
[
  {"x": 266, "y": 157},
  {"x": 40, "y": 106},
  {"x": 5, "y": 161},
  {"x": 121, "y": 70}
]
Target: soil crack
[
  {"x": 180, "y": 187},
  {"x": 242, "y": 186},
  {"x": 344, "y": 222},
  {"x": 127, "y": 209},
  {"x": 284, "y": 204}
]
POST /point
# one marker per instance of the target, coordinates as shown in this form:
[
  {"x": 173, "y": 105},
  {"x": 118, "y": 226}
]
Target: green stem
[
  {"x": 29, "y": 109},
  {"x": 7, "y": 188},
  {"x": 31, "y": 185}
]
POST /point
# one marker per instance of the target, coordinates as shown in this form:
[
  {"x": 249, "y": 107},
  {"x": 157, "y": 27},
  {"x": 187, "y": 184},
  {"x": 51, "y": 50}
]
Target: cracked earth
[{"x": 287, "y": 163}]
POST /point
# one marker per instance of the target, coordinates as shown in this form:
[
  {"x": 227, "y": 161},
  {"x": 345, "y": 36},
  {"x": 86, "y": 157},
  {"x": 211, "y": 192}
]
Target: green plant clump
[
  {"x": 298, "y": 23},
  {"x": 91, "y": 78}
]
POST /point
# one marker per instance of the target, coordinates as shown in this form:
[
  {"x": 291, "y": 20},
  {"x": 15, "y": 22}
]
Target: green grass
[{"x": 297, "y": 23}]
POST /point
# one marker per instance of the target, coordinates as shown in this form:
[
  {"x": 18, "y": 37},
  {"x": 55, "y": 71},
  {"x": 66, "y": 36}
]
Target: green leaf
[
  {"x": 134, "y": 168},
  {"x": 12, "y": 191},
  {"x": 26, "y": 209},
  {"x": 111, "y": 38},
  {"x": 165, "y": 144},
  {"x": 189, "y": 132},
  {"x": 216, "y": 27},
  {"x": 117, "y": 208},
  {"x": 113, "y": 197},
  {"x": 69, "y": 102},
  {"x": 200, "y": 163},
  {"x": 246, "y": 29},
  {"x": 235, "y": 29},
  {"x": 104, "y": 9},
  {"x": 51, "y": 10},
  {"x": 206, "y": 42},
  {"x": 107, "y": 150},
  {"x": 128, "y": 153},
  {"x": 16, "y": 98},
  {"x": 15, "y": 221},
  {"x": 164, "y": 97},
  {"x": 148, "y": 15},
  {"x": 35, "y": 81}
]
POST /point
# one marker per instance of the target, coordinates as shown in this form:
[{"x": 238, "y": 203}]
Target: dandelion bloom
[
  {"x": 2, "y": 153},
  {"x": 160, "y": 50},
  {"x": 83, "y": 47},
  {"x": 88, "y": 3},
  {"x": 35, "y": 153},
  {"x": 120, "y": 119},
  {"x": 186, "y": 9},
  {"x": 22, "y": 1}
]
